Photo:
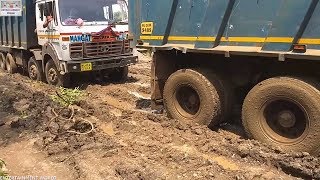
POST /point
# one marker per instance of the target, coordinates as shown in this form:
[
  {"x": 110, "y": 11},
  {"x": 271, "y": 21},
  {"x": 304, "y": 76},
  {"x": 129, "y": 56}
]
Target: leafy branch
[{"x": 67, "y": 97}]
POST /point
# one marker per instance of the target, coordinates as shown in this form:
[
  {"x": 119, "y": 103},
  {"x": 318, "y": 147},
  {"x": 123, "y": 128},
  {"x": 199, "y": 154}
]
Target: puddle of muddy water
[{"x": 222, "y": 161}]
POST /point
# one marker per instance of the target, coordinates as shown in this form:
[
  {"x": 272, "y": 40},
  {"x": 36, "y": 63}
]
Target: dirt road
[{"x": 128, "y": 140}]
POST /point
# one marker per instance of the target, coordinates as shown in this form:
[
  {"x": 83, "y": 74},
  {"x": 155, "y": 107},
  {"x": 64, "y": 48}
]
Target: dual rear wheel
[
  {"x": 51, "y": 74},
  {"x": 283, "y": 112},
  {"x": 7, "y": 63}
]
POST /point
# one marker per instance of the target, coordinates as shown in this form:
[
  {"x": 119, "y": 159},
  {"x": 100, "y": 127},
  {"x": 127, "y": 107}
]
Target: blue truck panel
[
  {"x": 18, "y": 31},
  {"x": 272, "y": 25}
]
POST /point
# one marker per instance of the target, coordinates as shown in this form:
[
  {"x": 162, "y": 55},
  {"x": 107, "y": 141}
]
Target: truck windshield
[{"x": 93, "y": 11}]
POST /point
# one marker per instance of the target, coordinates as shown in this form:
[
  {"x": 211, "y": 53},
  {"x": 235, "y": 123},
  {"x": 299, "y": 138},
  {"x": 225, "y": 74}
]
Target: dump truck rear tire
[
  {"x": 54, "y": 77},
  {"x": 34, "y": 70},
  {"x": 284, "y": 112},
  {"x": 11, "y": 65},
  {"x": 119, "y": 74},
  {"x": 2, "y": 62},
  {"x": 226, "y": 94},
  {"x": 190, "y": 96}
]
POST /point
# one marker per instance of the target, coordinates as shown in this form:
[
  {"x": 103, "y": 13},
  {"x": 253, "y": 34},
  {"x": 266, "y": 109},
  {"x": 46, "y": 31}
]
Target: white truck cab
[{"x": 72, "y": 36}]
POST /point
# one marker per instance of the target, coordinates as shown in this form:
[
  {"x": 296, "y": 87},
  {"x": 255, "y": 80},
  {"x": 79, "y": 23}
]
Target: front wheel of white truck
[
  {"x": 54, "y": 77},
  {"x": 34, "y": 70},
  {"x": 284, "y": 112}
]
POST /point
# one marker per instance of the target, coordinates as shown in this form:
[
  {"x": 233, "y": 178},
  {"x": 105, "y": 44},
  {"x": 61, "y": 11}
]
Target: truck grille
[{"x": 98, "y": 49}]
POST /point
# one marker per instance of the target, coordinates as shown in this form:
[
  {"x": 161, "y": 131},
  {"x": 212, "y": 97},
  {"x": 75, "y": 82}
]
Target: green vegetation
[
  {"x": 66, "y": 97},
  {"x": 2, "y": 167}
]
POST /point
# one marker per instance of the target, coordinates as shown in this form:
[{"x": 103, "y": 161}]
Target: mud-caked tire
[
  {"x": 226, "y": 95},
  {"x": 284, "y": 112},
  {"x": 3, "y": 62},
  {"x": 119, "y": 74},
  {"x": 34, "y": 70},
  {"x": 190, "y": 96},
  {"x": 11, "y": 65},
  {"x": 54, "y": 77}
]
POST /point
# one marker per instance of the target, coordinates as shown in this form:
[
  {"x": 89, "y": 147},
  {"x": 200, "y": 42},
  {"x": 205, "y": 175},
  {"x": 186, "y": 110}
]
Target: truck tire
[
  {"x": 226, "y": 94},
  {"x": 11, "y": 65},
  {"x": 35, "y": 70},
  {"x": 119, "y": 74},
  {"x": 54, "y": 77},
  {"x": 284, "y": 112},
  {"x": 190, "y": 96},
  {"x": 2, "y": 62}
]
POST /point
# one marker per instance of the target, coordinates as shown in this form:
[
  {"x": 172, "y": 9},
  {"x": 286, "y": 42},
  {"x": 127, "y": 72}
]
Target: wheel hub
[
  {"x": 287, "y": 119},
  {"x": 188, "y": 99},
  {"x": 33, "y": 71},
  {"x": 52, "y": 74}
]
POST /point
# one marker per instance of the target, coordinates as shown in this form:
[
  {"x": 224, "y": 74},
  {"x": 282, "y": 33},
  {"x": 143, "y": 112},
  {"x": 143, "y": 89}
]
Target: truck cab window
[
  {"x": 99, "y": 12},
  {"x": 41, "y": 11},
  {"x": 48, "y": 9}
]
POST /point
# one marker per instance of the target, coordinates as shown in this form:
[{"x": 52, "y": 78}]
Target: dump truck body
[
  {"x": 271, "y": 27},
  {"x": 212, "y": 57},
  {"x": 19, "y": 31}
]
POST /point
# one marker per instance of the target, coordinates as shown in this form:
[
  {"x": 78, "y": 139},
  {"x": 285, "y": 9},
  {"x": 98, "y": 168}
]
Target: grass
[
  {"x": 2, "y": 167},
  {"x": 67, "y": 97}
]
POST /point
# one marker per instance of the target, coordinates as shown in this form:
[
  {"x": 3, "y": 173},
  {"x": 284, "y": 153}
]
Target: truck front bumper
[{"x": 97, "y": 64}]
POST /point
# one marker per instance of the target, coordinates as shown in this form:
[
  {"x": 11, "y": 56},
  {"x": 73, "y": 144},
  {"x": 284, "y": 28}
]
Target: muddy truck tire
[
  {"x": 54, "y": 77},
  {"x": 284, "y": 112},
  {"x": 11, "y": 65},
  {"x": 35, "y": 70},
  {"x": 2, "y": 62},
  {"x": 192, "y": 95}
]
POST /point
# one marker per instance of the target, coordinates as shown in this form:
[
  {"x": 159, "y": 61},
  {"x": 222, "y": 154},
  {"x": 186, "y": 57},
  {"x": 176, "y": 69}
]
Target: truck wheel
[
  {"x": 190, "y": 96},
  {"x": 284, "y": 112},
  {"x": 11, "y": 65},
  {"x": 34, "y": 70},
  {"x": 2, "y": 62},
  {"x": 226, "y": 94},
  {"x": 54, "y": 77},
  {"x": 119, "y": 74}
]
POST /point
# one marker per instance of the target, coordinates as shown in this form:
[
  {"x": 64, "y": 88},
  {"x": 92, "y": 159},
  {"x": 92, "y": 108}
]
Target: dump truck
[
  {"x": 211, "y": 57},
  {"x": 51, "y": 39}
]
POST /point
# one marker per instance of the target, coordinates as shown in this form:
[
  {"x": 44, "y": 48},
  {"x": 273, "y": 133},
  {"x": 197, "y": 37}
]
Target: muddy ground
[{"x": 128, "y": 141}]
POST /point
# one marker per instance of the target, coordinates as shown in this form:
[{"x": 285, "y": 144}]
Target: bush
[{"x": 66, "y": 97}]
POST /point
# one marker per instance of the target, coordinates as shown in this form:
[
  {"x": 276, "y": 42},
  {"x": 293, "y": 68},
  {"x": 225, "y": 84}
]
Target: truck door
[{"x": 49, "y": 33}]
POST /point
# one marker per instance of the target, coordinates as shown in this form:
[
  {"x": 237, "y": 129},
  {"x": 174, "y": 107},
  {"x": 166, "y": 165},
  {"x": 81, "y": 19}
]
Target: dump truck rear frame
[{"x": 210, "y": 57}]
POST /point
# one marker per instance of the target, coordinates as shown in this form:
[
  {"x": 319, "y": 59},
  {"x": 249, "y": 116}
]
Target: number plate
[
  {"x": 147, "y": 28},
  {"x": 86, "y": 66}
]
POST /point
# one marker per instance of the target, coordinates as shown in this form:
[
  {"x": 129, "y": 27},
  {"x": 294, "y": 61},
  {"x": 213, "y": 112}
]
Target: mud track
[{"x": 128, "y": 141}]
